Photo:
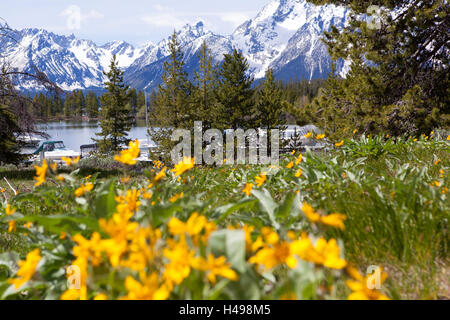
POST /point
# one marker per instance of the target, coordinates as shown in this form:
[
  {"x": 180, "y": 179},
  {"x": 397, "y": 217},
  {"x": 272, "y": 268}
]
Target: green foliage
[
  {"x": 116, "y": 113},
  {"x": 204, "y": 89},
  {"x": 269, "y": 104},
  {"x": 171, "y": 108},
  {"x": 398, "y": 81},
  {"x": 92, "y": 105},
  {"x": 392, "y": 190},
  {"x": 235, "y": 93},
  {"x": 9, "y": 146}
]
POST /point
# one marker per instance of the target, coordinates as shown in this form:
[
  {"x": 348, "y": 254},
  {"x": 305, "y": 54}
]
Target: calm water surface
[{"x": 77, "y": 133}]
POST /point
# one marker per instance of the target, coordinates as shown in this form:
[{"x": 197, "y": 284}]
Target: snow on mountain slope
[
  {"x": 146, "y": 71},
  {"x": 71, "y": 63},
  {"x": 285, "y": 30},
  {"x": 284, "y": 36}
]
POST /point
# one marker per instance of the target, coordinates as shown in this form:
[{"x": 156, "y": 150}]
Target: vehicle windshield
[
  {"x": 59, "y": 145},
  {"x": 54, "y": 146}
]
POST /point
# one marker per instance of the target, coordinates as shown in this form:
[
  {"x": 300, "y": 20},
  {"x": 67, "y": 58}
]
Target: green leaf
[
  {"x": 284, "y": 210},
  {"x": 268, "y": 205},
  {"x": 105, "y": 203},
  {"x": 231, "y": 244},
  {"x": 226, "y": 210},
  {"x": 58, "y": 223}
]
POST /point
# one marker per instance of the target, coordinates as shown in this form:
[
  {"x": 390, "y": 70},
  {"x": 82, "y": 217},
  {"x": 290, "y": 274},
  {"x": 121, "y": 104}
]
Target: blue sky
[{"x": 135, "y": 21}]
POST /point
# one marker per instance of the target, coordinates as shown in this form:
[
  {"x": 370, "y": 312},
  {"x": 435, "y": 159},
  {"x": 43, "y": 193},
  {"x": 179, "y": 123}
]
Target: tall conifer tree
[
  {"x": 171, "y": 108},
  {"x": 116, "y": 119},
  {"x": 235, "y": 93}
]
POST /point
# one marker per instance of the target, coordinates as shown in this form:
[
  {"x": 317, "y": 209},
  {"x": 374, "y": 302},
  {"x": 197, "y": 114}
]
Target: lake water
[{"x": 77, "y": 133}]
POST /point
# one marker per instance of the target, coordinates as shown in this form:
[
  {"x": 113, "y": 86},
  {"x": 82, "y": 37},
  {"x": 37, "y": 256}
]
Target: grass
[{"x": 397, "y": 216}]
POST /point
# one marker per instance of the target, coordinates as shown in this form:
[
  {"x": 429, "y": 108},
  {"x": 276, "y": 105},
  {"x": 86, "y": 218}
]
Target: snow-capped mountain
[
  {"x": 71, "y": 63},
  {"x": 284, "y": 36},
  {"x": 146, "y": 71}
]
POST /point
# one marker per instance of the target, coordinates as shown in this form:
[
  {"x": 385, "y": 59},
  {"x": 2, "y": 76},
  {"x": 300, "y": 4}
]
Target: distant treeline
[{"x": 79, "y": 104}]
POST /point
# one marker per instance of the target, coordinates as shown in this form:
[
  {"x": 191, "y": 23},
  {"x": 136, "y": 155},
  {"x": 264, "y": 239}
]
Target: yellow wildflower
[
  {"x": 9, "y": 211},
  {"x": 324, "y": 253},
  {"x": 12, "y": 226},
  {"x": 276, "y": 254},
  {"x": 149, "y": 289},
  {"x": 248, "y": 189},
  {"x": 261, "y": 179},
  {"x": 129, "y": 155},
  {"x": 181, "y": 258},
  {"x": 334, "y": 220},
  {"x": 60, "y": 178},
  {"x": 71, "y": 161},
  {"x": 84, "y": 188},
  {"x": 215, "y": 267},
  {"x": 193, "y": 226},
  {"x": 339, "y": 144},
  {"x": 176, "y": 197},
  {"x": 147, "y": 195},
  {"x": 293, "y": 152},
  {"x": 125, "y": 180},
  {"x": 299, "y": 159},
  {"x": 355, "y": 131},
  {"x": 436, "y": 184},
  {"x": 101, "y": 296},
  {"x": 27, "y": 268},
  {"x": 360, "y": 286},
  {"x": 2, "y": 190},
  {"x": 320, "y": 136},
  {"x": 298, "y": 173},
  {"x": 444, "y": 190},
  {"x": 41, "y": 172},
  {"x": 290, "y": 165},
  {"x": 437, "y": 162},
  {"x": 183, "y": 166},
  {"x": 62, "y": 235},
  {"x": 310, "y": 213},
  {"x": 53, "y": 166},
  {"x": 308, "y": 135},
  {"x": 160, "y": 175}
]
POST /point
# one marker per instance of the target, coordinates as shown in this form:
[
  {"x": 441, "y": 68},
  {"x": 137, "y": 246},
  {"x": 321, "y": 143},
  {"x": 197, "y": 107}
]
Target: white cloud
[
  {"x": 235, "y": 18},
  {"x": 165, "y": 20}
]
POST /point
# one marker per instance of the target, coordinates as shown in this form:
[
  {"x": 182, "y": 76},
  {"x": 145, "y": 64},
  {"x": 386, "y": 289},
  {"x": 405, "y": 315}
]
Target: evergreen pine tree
[
  {"x": 116, "y": 119},
  {"x": 399, "y": 79},
  {"x": 92, "y": 104},
  {"x": 269, "y": 104},
  {"x": 204, "y": 87},
  {"x": 9, "y": 146},
  {"x": 171, "y": 108},
  {"x": 235, "y": 92}
]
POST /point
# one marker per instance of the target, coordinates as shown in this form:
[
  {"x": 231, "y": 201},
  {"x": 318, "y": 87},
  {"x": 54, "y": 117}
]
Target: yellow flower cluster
[
  {"x": 41, "y": 173},
  {"x": 361, "y": 286},
  {"x": 70, "y": 161},
  {"x": 84, "y": 188},
  {"x": 129, "y": 155},
  {"x": 271, "y": 251},
  {"x": 334, "y": 220},
  {"x": 161, "y": 264},
  {"x": 248, "y": 189},
  {"x": 27, "y": 268},
  {"x": 183, "y": 166},
  {"x": 261, "y": 179}
]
